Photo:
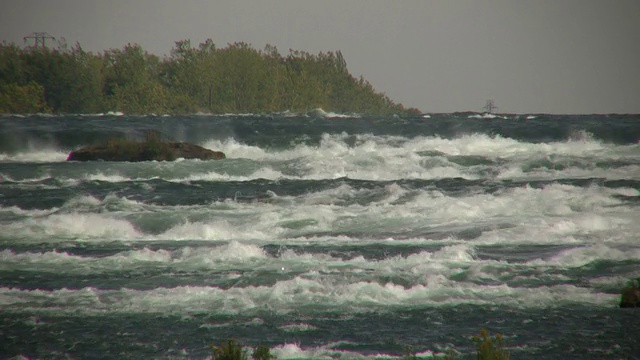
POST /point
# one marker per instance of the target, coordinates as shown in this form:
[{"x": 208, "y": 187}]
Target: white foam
[
  {"x": 555, "y": 213},
  {"x": 486, "y": 116},
  {"x": 99, "y": 176},
  {"x": 373, "y": 157},
  {"x": 293, "y": 351},
  {"x": 10, "y": 258},
  {"x": 261, "y": 173},
  {"x": 215, "y": 230},
  {"x": 233, "y": 252},
  {"x": 31, "y": 212},
  {"x": 330, "y": 115},
  {"x": 234, "y": 149},
  {"x": 81, "y": 227},
  {"x": 581, "y": 256},
  {"x": 292, "y": 295},
  {"x": 36, "y": 156},
  {"x": 186, "y": 258},
  {"x": 332, "y": 351},
  {"x": 515, "y": 172},
  {"x": 389, "y": 157},
  {"x": 247, "y": 256}
]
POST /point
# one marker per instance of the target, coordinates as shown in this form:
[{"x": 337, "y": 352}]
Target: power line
[{"x": 39, "y": 38}]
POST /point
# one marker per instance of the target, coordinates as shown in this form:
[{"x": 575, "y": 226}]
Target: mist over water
[{"x": 321, "y": 236}]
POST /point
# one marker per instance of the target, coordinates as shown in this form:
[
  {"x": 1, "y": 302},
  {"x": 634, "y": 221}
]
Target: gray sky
[{"x": 553, "y": 56}]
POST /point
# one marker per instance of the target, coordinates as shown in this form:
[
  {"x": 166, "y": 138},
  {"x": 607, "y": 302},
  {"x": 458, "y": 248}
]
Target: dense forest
[{"x": 233, "y": 79}]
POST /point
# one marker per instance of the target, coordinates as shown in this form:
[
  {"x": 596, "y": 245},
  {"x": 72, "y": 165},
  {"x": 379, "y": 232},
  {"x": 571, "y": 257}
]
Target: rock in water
[
  {"x": 120, "y": 150},
  {"x": 630, "y": 298}
]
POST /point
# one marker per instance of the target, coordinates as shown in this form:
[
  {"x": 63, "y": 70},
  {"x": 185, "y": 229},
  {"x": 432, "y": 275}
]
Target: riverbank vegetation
[
  {"x": 487, "y": 348},
  {"x": 233, "y": 79}
]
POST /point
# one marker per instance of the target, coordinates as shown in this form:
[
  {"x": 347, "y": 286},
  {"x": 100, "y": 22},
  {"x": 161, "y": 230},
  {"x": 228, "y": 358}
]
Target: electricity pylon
[
  {"x": 490, "y": 106},
  {"x": 39, "y": 38}
]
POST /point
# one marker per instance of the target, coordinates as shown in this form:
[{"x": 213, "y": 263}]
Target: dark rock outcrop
[
  {"x": 630, "y": 297},
  {"x": 144, "y": 151}
]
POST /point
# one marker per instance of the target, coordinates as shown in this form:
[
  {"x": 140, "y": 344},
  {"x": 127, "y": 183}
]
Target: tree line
[{"x": 233, "y": 79}]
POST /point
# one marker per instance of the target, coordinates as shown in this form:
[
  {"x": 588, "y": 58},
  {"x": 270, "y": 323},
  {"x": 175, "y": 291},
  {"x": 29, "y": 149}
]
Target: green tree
[
  {"x": 83, "y": 82},
  {"x": 236, "y": 78},
  {"x": 17, "y": 99},
  {"x": 132, "y": 82},
  {"x": 46, "y": 67},
  {"x": 240, "y": 79},
  {"x": 11, "y": 65},
  {"x": 181, "y": 75},
  {"x": 302, "y": 90}
]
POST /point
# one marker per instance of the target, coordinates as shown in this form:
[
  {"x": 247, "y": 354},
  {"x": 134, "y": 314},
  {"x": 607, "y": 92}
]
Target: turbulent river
[{"x": 322, "y": 236}]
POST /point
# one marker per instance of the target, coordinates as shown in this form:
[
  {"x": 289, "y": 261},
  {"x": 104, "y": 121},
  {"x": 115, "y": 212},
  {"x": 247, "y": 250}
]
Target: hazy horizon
[{"x": 569, "y": 57}]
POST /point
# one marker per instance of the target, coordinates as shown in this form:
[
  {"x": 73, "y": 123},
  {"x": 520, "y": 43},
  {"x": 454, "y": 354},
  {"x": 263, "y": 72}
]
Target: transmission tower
[
  {"x": 39, "y": 38},
  {"x": 490, "y": 106}
]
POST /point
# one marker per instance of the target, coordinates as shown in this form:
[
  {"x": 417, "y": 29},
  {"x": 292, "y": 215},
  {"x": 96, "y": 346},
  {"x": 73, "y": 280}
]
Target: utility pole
[{"x": 39, "y": 38}]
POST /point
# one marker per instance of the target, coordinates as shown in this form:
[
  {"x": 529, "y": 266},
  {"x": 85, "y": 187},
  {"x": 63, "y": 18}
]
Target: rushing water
[{"x": 322, "y": 236}]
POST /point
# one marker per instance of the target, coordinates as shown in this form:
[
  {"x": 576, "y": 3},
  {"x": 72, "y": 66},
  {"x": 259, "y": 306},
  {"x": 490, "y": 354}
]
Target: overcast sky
[{"x": 551, "y": 56}]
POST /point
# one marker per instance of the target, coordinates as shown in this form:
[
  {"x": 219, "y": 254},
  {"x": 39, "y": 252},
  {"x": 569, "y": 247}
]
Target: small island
[{"x": 152, "y": 149}]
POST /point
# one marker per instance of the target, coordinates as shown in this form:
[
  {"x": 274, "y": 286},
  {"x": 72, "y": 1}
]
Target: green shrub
[
  {"x": 409, "y": 354},
  {"x": 262, "y": 352},
  {"x": 487, "y": 348},
  {"x": 490, "y": 348},
  {"x": 22, "y": 99},
  {"x": 231, "y": 350}
]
